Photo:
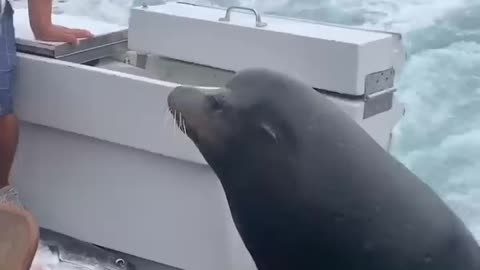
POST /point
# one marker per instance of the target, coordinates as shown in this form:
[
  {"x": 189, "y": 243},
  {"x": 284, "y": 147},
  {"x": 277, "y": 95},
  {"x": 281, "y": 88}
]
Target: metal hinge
[
  {"x": 379, "y": 92},
  {"x": 378, "y": 102},
  {"x": 379, "y": 81}
]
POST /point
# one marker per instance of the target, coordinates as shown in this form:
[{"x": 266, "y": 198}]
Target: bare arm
[{"x": 40, "y": 13}]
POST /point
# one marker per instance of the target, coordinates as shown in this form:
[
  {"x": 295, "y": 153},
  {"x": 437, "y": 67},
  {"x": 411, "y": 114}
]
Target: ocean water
[{"x": 439, "y": 137}]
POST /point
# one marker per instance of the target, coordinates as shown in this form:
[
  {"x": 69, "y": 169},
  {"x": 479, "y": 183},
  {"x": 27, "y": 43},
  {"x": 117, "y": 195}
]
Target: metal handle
[{"x": 258, "y": 18}]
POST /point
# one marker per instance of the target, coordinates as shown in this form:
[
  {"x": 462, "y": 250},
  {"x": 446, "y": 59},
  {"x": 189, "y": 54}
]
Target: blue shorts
[{"x": 8, "y": 60}]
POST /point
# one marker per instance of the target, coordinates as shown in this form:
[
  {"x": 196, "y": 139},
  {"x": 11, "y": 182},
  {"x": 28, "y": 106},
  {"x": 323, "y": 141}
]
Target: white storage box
[{"x": 333, "y": 58}]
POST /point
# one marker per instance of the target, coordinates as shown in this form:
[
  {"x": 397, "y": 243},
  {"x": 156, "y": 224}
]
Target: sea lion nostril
[{"x": 215, "y": 102}]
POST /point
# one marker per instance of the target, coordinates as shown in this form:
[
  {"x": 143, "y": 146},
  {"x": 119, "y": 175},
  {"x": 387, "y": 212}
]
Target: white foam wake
[{"x": 45, "y": 260}]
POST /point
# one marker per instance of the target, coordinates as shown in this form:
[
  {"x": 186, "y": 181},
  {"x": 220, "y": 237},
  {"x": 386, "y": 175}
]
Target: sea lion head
[{"x": 249, "y": 120}]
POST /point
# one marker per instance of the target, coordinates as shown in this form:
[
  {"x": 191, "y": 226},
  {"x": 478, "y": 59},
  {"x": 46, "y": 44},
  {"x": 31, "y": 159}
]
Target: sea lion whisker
[
  {"x": 182, "y": 123},
  {"x": 174, "y": 123},
  {"x": 184, "y": 126}
]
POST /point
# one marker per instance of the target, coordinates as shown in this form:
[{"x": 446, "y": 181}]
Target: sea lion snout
[
  {"x": 193, "y": 109},
  {"x": 182, "y": 97}
]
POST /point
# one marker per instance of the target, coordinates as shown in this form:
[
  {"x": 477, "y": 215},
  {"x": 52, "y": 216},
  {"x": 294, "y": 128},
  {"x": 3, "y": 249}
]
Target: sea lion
[{"x": 308, "y": 188}]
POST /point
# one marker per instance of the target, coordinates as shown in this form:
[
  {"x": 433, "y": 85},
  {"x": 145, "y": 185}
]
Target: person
[{"x": 17, "y": 225}]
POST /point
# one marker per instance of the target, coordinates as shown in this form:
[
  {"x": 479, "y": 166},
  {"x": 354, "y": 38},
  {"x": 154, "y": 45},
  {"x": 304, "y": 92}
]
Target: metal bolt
[{"x": 120, "y": 262}]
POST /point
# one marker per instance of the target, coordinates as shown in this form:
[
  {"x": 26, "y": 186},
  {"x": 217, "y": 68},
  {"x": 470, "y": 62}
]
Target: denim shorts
[{"x": 8, "y": 60}]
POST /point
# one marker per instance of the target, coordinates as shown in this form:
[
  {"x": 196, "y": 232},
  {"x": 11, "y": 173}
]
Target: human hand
[
  {"x": 58, "y": 33},
  {"x": 40, "y": 13}
]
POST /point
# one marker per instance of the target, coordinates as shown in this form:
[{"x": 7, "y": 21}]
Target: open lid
[
  {"x": 107, "y": 38},
  {"x": 328, "y": 57}
]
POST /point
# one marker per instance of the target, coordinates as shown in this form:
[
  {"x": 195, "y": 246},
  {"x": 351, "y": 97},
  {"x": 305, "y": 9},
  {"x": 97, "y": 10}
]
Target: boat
[{"x": 99, "y": 158}]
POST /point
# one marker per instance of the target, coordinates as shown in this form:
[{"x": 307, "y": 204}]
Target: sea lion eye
[{"x": 268, "y": 130}]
